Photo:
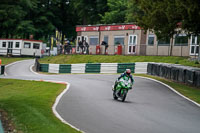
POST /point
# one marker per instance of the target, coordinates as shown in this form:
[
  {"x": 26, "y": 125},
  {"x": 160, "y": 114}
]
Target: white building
[{"x": 21, "y": 47}]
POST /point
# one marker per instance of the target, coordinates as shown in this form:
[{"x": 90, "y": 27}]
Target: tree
[
  {"x": 117, "y": 10},
  {"x": 190, "y": 10},
  {"x": 190, "y": 17},
  {"x": 161, "y": 17},
  {"x": 22, "y": 18},
  {"x": 132, "y": 9},
  {"x": 89, "y": 11},
  {"x": 11, "y": 14},
  {"x": 168, "y": 17}
]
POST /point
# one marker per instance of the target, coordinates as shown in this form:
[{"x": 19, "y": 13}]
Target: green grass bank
[
  {"x": 73, "y": 59},
  {"x": 29, "y": 103},
  {"x": 8, "y": 60}
]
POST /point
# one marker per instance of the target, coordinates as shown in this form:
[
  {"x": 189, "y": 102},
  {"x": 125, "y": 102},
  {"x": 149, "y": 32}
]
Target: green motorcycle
[{"x": 122, "y": 88}]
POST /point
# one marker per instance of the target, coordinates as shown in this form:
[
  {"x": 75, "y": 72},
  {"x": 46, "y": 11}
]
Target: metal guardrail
[{"x": 102, "y": 50}]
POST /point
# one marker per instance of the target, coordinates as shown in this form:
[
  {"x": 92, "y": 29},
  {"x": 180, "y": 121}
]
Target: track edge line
[{"x": 175, "y": 91}]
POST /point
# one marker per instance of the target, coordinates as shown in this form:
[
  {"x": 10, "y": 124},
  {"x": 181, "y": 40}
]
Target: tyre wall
[{"x": 179, "y": 73}]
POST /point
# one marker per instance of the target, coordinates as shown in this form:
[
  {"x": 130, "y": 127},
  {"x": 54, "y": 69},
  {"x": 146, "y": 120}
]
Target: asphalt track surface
[{"x": 150, "y": 107}]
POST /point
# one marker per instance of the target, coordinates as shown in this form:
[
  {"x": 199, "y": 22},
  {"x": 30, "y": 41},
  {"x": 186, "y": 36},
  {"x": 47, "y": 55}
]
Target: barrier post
[
  {"x": 98, "y": 49},
  {"x": 73, "y": 50},
  {"x": 119, "y": 49}
]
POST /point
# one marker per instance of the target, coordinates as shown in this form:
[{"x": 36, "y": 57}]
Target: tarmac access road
[{"x": 150, "y": 107}]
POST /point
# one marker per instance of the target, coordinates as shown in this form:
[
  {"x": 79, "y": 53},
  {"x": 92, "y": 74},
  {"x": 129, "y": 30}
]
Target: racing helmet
[{"x": 128, "y": 71}]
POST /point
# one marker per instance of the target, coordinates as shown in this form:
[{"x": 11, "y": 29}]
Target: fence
[
  {"x": 86, "y": 68},
  {"x": 10, "y": 51},
  {"x": 141, "y": 49},
  {"x": 179, "y": 73},
  {"x": 110, "y": 50}
]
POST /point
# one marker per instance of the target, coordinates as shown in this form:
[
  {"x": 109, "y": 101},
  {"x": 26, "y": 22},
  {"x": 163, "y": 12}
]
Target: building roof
[
  {"x": 108, "y": 27},
  {"x": 21, "y": 40}
]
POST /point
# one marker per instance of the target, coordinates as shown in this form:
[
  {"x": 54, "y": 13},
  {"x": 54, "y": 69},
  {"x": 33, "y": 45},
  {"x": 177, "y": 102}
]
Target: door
[
  {"x": 80, "y": 38},
  {"x": 132, "y": 42},
  {"x": 10, "y": 47},
  {"x": 194, "y": 45},
  {"x": 84, "y": 38}
]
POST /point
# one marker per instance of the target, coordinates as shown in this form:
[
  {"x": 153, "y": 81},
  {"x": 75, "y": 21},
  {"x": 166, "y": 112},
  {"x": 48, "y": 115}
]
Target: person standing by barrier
[
  {"x": 86, "y": 45},
  {"x": 65, "y": 47},
  {"x": 58, "y": 48},
  {"x": 68, "y": 47},
  {"x": 105, "y": 44},
  {"x": 61, "y": 48},
  {"x": 80, "y": 45}
]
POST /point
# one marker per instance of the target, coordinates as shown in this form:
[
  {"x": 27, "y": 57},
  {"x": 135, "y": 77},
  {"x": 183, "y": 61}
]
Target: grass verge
[
  {"x": 186, "y": 90},
  {"x": 73, "y": 59},
  {"x": 8, "y": 60},
  {"x": 29, "y": 103}
]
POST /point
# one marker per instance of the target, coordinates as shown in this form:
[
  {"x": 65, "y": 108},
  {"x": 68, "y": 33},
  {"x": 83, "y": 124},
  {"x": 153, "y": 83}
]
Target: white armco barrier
[
  {"x": 141, "y": 67},
  {"x": 54, "y": 68},
  {"x": 109, "y": 67},
  {"x": 78, "y": 68}
]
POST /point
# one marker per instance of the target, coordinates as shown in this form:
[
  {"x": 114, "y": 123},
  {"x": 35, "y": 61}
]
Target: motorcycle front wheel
[
  {"x": 124, "y": 96},
  {"x": 114, "y": 96}
]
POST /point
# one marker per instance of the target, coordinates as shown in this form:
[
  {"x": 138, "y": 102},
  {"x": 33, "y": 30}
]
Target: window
[
  {"x": 151, "y": 39},
  {"x": 17, "y": 45},
  {"x": 94, "y": 40},
  {"x": 181, "y": 40},
  {"x": 36, "y": 46},
  {"x": 197, "y": 50},
  {"x": 106, "y": 39},
  {"x": 164, "y": 41},
  {"x": 198, "y": 39},
  {"x": 10, "y": 45},
  {"x": 131, "y": 44},
  {"x": 119, "y": 40},
  {"x": 27, "y": 45},
  {"x": 132, "y": 40},
  {"x": 4, "y": 44}
]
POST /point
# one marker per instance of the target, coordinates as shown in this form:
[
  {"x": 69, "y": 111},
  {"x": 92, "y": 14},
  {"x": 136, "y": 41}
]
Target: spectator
[
  {"x": 80, "y": 45},
  {"x": 86, "y": 45},
  {"x": 105, "y": 44},
  {"x": 65, "y": 47},
  {"x": 68, "y": 47},
  {"x": 58, "y": 47},
  {"x": 61, "y": 49}
]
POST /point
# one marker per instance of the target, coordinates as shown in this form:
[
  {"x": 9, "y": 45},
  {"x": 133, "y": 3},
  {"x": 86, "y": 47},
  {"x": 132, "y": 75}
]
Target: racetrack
[{"x": 88, "y": 104}]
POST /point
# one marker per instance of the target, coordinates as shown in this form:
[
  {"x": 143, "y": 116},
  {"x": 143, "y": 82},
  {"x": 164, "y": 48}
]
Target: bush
[{"x": 196, "y": 62}]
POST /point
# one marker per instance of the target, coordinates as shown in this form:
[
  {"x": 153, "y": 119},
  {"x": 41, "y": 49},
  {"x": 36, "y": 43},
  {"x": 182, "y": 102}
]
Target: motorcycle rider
[{"x": 126, "y": 73}]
